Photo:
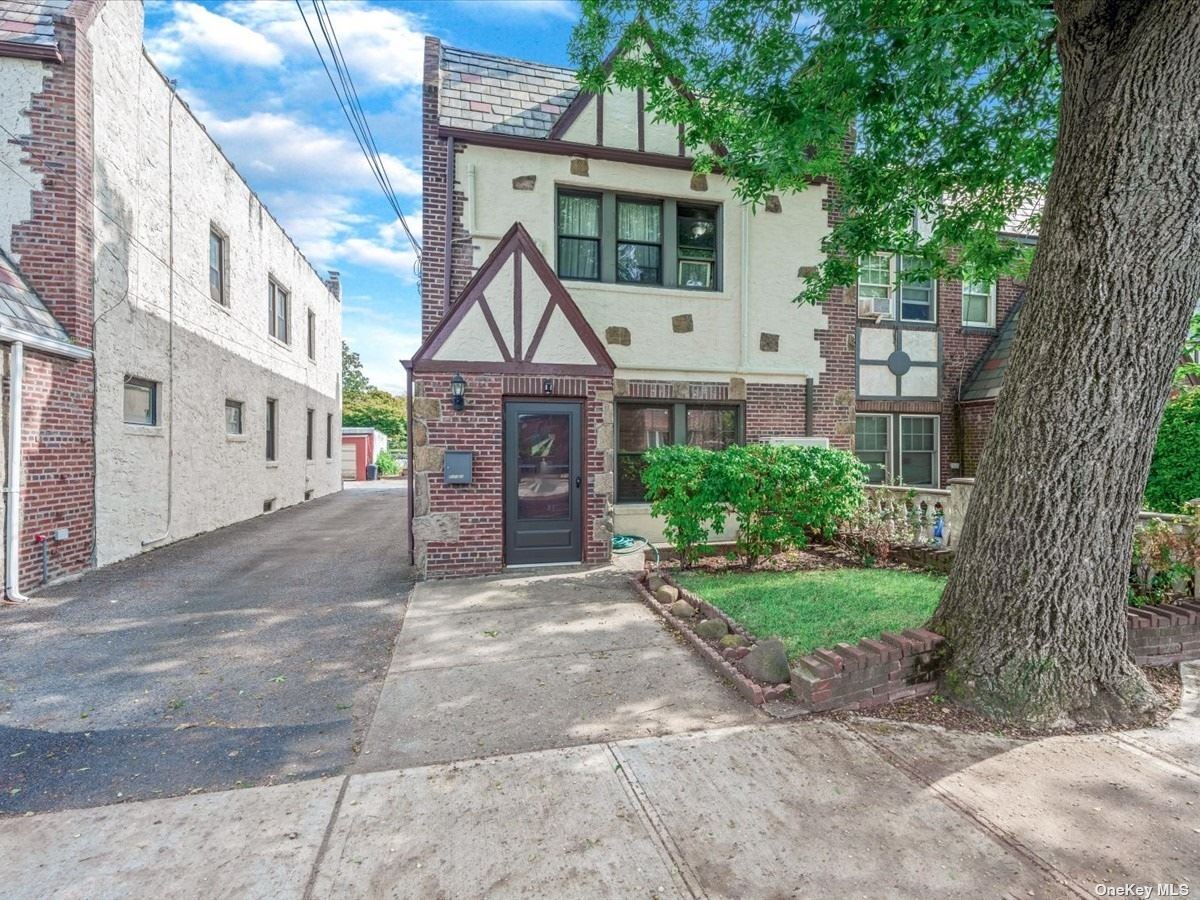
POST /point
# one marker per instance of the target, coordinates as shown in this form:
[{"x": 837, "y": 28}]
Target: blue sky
[{"x": 249, "y": 71}]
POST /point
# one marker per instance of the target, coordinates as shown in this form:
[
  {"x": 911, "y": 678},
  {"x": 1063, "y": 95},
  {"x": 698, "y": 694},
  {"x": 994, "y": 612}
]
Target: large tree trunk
[{"x": 1034, "y": 611}]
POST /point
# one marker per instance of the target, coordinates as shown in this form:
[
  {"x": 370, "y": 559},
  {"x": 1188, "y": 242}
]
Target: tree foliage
[
  {"x": 1175, "y": 469},
  {"x": 1188, "y": 374},
  {"x": 354, "y": 381},
  {"x": 951, "y": 106},
  {"x": 376, "y": 408}
]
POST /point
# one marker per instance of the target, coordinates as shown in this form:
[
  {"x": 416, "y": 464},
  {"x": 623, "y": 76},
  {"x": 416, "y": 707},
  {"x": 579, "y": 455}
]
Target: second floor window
[
  {"x": 277, "y": 310},
  {"x": 610, "y": 237},
  {"x": 978, "y": 304},
  {"x": 218, "y": 266},
  {"x": 233, "y": 416},
  {"x": 141, "y": 401},
  {"x": 579, "y": 236},
  {"x": 888, "y": 289},
  {"x": 312, "y": 335},
  {"x": 639, "y": 241}
]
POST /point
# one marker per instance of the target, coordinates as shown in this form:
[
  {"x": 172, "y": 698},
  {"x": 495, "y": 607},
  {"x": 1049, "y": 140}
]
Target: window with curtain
[
  {"x": 579, "y": 236},
  {"x": 871, "y": 446},
  {"x": 887, "y": 288},
  {"x": 639, "y": 241},
  {"x": 217, "y": 266},
  {"x": 978, "y": 308},
  {"x": 644, "y": 426}
]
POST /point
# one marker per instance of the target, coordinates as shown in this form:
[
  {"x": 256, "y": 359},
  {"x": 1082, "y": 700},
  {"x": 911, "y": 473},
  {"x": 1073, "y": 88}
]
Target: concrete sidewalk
[{"x": 481, "y": 782}]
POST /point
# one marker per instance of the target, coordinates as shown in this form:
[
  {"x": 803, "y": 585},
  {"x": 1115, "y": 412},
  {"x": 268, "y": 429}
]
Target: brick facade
[
  {"x": 973, "y": 424},
  {"x": 459, "y": 529},
  {"x": 55, "y": 249},
  {"x": 434, "y": 155}
]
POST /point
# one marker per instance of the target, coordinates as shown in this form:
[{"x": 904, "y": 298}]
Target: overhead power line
[{"x": 348, "y": 99}]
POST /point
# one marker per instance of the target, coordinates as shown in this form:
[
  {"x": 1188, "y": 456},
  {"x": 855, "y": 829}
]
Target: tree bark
[{"x": 1034, "y": 611}]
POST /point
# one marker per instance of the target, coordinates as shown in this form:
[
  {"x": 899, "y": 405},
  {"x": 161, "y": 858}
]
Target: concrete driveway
[{"x": 251, "y": 655}]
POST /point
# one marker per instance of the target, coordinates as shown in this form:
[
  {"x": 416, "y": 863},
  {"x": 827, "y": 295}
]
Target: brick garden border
[
  {"x": 723, "y": 662},
  {"x": 1162, "y": 634},
  {"x": 873, "y": 672}
]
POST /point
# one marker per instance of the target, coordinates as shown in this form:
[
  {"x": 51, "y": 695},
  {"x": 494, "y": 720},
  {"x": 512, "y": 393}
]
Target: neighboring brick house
[
  {"x": 678, "y": 322},
  {"x": 178, "y": 358}
]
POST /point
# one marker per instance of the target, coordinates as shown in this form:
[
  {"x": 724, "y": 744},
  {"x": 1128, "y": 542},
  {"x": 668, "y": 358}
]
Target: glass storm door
[{"x": 543, "y": 482}]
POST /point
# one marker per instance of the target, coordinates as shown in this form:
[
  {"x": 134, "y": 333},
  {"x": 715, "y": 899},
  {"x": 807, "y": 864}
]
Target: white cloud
[
  {"x": 197, "y": 31},
  {"x": 283, "y": 148},
  {"x": 382, "y": 45}
]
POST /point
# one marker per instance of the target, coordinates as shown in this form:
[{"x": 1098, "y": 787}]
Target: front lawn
[{"x": 821, "y": 608}]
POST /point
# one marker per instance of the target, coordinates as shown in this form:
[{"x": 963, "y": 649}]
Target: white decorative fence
[{"x": 933, "y": 517}]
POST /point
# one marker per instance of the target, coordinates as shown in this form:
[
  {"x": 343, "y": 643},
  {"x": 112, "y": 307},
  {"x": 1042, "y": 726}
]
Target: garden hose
[{"x": 631, "y": 543}]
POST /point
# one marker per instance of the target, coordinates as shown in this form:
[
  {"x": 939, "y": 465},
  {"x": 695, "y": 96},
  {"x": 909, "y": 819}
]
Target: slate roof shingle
[
  {"x": 22, "y": 310},
  {"x": 30, "y": 22},
  {"x": 502, "y": 95},
  {"x": 985, "y": 381}
]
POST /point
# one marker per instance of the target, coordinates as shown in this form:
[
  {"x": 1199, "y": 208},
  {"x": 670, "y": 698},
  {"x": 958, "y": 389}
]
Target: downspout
[
  {"x": 12, "y": 506},
  {"x": 169, "y": 407},
  {"x": 744, "y": 305},
  {"x": 449, "y": 245}
]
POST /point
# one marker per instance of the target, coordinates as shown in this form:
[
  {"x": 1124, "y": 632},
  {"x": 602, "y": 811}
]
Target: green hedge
[
  {"x": 778, "y": 495},
  {"x": 1175, "y": 469}
]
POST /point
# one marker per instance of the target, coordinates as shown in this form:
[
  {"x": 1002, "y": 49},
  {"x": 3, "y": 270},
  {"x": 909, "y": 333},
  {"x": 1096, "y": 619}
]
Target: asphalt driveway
[{"x": 252, "y": 655}]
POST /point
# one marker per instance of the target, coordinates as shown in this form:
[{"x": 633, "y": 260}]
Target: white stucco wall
[
  {"x": 761, "y": 255},
  {"x": 19, "y": 80},
  {"x": 159, "y": 182}
]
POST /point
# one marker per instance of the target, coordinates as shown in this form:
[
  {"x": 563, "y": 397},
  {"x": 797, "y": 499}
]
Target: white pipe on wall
[{"x": 12, "y": 505}]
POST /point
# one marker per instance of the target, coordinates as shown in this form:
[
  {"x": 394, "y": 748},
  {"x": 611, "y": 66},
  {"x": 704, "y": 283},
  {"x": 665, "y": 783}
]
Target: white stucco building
[{"x": 205, "y": 386}]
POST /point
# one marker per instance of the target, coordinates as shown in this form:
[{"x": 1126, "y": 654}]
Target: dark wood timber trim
[
  {"x": 682, "y": 149},
  {"x": 438, "y": 366},
  {"x": 641, "y": 120},
  {"x": 486, "y": 309},
  {"x": 517, "y": 304},
  {"x": 518, "y": 244},
  {"x": 599, "y": 120},
  {"x": 567, "y": 148}
]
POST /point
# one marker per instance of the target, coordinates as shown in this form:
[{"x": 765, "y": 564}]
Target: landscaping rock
[
  {"x": 667, "y": 594},
  {"x": 767, "y": 662},
  {"x": 733, "y": 640},
  {"x": 712, "y": 629},
  {"x": 682, "y": 609},
  {"x": 654, "y": 582}
]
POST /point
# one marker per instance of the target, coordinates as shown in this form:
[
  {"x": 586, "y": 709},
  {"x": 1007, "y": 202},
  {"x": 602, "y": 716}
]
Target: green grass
[{"x": 808, "y": 610}]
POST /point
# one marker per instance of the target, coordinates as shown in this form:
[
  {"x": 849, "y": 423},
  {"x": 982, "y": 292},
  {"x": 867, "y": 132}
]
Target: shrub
[
  {"x": 387, "y": 463},
  {"x": 684, "y": 491},
  {"x": 1165, "y": 556},
  {"x": 777, "y": 494},
  {"x": 1175, "y": 469}
]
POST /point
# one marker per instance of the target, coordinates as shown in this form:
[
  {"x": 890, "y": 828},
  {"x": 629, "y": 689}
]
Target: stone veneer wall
[{"x": 459, "y": 529}]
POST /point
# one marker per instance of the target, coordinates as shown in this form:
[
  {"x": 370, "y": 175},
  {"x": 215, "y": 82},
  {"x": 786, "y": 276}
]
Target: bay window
[{"x": 644, "y": 426}]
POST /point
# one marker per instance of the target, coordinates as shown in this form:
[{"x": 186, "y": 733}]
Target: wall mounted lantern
[{"x": 458, "y": 389}]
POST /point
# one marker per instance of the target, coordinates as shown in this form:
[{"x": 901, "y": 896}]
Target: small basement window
[
  {"x": 141, "y": 401},
  {"x": 269, "y": 505}
]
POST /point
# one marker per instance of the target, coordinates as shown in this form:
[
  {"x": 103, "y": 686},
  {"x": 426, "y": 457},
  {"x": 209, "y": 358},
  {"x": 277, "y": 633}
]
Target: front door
[{"x": 543, "y": 482}]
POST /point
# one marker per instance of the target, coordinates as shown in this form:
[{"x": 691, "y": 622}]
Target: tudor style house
[
  {"x": 587, "y": 297},
  {"x": 172, "y": 359}
]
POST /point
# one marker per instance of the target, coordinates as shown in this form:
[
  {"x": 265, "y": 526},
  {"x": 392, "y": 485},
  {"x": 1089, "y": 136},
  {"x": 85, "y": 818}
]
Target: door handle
[{"x": 578, "y": 481}]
